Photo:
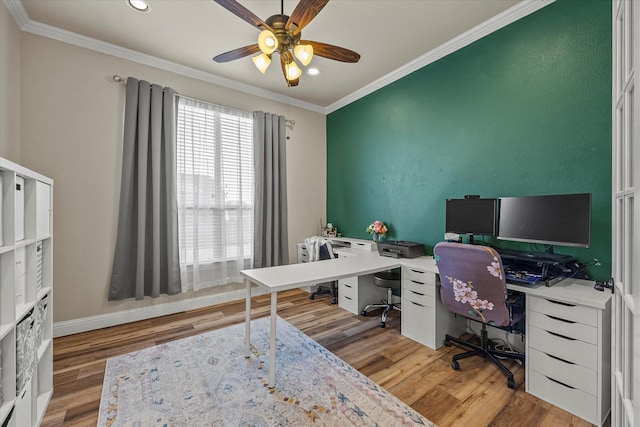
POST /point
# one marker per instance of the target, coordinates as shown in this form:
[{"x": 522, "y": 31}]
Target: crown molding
[
  {"x": 18, "y": 12},
  {"x": 526, "y": 7},
  {"x": 499, "y": 21},
  {"x": 28, "y": 25}
]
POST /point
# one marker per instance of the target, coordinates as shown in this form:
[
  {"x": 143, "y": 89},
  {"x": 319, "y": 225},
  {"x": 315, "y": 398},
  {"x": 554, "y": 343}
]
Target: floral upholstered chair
[{"x": 473, "y": 285}]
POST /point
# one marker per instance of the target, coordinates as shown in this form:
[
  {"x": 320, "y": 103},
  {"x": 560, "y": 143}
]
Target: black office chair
[
  {"x": 330, "y": 288},
  {"x": 473, "y": 285},
  {"x": 390, "y": 280}
]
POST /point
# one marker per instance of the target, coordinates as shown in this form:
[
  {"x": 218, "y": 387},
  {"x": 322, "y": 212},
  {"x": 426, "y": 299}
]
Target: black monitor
[
  {"x": 561, "y": 219},
  {"x": 471, "y": 216}
]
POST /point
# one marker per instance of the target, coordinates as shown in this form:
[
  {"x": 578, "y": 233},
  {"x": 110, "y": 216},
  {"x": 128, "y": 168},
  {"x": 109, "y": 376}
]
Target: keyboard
[{"x": 522, "y": 277}]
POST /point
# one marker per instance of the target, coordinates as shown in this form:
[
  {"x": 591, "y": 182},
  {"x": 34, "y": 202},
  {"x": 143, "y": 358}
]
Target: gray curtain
[
  {"x": 271, "y": 237},
  {"x": 146, "y": 256}
]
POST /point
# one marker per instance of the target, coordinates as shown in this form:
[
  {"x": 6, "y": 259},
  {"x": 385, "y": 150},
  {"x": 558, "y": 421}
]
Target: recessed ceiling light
[
  {"x": 313, "y": 71},
  {"x": 139, "y": 5}
]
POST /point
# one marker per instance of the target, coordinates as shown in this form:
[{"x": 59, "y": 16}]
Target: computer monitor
[
  {"x": 471, "y": 216},
  {"x": 561, "y": 219}
]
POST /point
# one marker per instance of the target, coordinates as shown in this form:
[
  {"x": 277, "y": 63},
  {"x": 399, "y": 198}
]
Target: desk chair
[
  {"x": 473, "y": 285},
  {"x": 391, "y": 281},
  {"x": 330, "y": 288}
]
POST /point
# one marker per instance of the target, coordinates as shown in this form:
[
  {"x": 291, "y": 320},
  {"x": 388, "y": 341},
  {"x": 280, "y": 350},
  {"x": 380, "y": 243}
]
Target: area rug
[{"x": 205, "y": 380}]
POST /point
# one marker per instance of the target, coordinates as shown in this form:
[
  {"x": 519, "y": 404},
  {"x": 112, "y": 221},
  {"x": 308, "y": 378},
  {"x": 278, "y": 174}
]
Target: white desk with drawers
[{"x": 568, "y": 325}]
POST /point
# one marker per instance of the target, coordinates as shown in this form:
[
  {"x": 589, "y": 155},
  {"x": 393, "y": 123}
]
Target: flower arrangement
[{"x": 377, "y": 228}]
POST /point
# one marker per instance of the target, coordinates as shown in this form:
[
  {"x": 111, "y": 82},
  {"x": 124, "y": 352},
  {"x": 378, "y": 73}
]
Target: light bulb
[
  {"x": 267, "y": 42},
  {"x": 304, "y": 52},
  {"x": 262, "y": 62},
  {"x": 293, "y": 71}
]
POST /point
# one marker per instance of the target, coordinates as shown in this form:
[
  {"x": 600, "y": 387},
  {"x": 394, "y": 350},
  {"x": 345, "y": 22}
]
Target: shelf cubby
[{"x": 26, "y": 292}]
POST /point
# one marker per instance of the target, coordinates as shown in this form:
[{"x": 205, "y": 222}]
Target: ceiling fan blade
[
  {"x": 283, "y": 63},
  {"x": 242, "y": 12},
  {"x": 304, "y": 12},
  {"x": 330, "y": 51},
  {"x": 241, "y": 52}
]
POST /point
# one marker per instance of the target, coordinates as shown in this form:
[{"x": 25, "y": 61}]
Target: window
[{"x": 215, "y": 188}]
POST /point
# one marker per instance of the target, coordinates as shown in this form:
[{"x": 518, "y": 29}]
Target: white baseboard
[{"x": 85, "y": 324}]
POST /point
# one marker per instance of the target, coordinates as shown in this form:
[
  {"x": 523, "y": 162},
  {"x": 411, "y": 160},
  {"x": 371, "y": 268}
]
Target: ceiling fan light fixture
[
  {"x": 293, "y": 71},
  {"x": 261, "y": 62},
  {"x": 281, "y": 34},
  {"x": 304, "y": 52},
  {"x": 267, "y": 42}
]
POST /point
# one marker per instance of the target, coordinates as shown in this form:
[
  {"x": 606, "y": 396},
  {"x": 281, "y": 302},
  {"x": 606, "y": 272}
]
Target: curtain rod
[{"x": 118, "y": 79}]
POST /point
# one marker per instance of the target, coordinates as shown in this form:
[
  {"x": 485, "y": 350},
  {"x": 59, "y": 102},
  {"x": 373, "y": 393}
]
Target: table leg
[
  {"x": 247, "y": 321},
  {"x": 272, "y": 343}
]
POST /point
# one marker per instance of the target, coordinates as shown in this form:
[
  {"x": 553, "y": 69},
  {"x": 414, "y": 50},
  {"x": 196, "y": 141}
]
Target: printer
[{"x": 400, "y": 249}]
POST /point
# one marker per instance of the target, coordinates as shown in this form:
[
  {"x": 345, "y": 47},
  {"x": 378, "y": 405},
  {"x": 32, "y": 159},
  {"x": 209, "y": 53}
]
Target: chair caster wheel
[
  {"x": 363, "y": 313},
  {"x": 381, "y": 324},
  {"x": 447, "y": 343},
  {"x": 333, "y": 301},
  {"x": 311, "y": 296},
  {"x": 455, "y": 365},
  {"x": 511, "y": 383}
]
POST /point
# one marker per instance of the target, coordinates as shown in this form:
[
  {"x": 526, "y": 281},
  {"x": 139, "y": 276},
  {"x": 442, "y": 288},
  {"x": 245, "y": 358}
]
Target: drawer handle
[
  {"x": 346, "y": 297},
  {"x": 418, "y": 283},
  {"x": 559, "y": 358},
  {"x": 415, "y": 303},
  {"x": 417, "y": 271},
  {"x": 347, "y": 286},
  {"x": 560, "y": 319},
  {"x": 417, "y": 293},
  {"x": 561, "y": 336},
  {"x": 566, "y": 304},
  {"x": 561, "y": 383}
]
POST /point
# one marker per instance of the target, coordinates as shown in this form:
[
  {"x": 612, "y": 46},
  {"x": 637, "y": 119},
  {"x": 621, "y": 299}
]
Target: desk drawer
[
  {"x": 303, "y": 257},
  {"x": 574, "y": 313},
  {"x": 421, "y": 296},
  {"x": 418, "y": 276},
  {"x": 567, "y": 373},
  {"x": 570, "y": 399},
  {"x": 364, "y": 246},
  {"x": 566, "y": 348},
  {"x": 567, "y": 328},
  {"x": 348, "y": 303},
  {"x": 348, "y": 294},
  {"x": 420, "y": 287},
  {"x": 418, "y": 322},
  {"x": 348, "y": 287}
]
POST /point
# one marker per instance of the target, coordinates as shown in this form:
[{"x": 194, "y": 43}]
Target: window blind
[{"x": 215, "y": 192}]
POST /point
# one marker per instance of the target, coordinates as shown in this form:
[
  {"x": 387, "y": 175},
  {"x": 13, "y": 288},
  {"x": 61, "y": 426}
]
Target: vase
[{"x": 376, "y": 237}]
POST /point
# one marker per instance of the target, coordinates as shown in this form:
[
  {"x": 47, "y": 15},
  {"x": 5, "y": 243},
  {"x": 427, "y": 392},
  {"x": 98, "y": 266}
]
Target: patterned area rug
[{"x": 205, "y": 380}]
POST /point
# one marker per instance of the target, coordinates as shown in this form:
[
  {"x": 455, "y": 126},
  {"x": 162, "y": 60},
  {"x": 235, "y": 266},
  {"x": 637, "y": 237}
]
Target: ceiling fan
[{"x": 282, "y": 34}]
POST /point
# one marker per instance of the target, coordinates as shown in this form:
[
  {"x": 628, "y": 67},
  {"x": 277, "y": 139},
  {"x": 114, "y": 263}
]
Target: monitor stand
[{"x": 536, "y": 263}]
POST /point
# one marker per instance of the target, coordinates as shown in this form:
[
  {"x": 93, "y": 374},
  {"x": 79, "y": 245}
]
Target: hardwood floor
[{"x": 476, "y": 395}]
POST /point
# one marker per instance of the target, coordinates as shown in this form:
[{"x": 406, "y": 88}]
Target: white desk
[
  {"x": 576, "y": 317},
  {"x": 284, "y": 277}
]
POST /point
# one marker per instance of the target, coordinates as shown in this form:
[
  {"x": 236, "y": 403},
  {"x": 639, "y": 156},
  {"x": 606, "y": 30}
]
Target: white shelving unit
[{"x": 26, "y": 284}]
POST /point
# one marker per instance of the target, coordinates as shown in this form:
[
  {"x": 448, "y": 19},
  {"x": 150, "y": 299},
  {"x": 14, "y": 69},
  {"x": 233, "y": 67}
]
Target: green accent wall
[{"x": 524, "y": 111}]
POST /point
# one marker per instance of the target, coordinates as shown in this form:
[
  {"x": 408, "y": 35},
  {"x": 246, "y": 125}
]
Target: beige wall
[
  {"x": 9, "y": 86},
  {"x": 72, "y": 132}
]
